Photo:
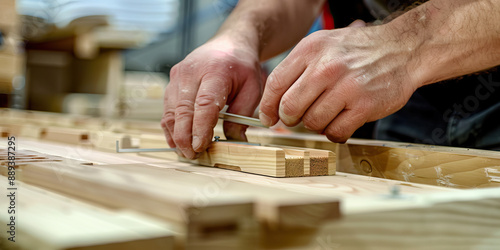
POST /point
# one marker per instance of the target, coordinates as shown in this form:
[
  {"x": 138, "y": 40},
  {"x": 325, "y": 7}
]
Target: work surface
[{"x": 84, "y": 196}]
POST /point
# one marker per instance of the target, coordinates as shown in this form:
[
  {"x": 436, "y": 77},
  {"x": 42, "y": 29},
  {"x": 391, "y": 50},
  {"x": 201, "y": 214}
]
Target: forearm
[
  {"x": 450, "y": 38},
  {"x": 270, "y": 27}
]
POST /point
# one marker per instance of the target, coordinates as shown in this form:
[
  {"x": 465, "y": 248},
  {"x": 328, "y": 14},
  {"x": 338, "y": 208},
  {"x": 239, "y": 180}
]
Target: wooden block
[
  {"x": 105, "y": 140},
  {"x": 70, "y": 224},
  {"x": 65, "y": 135},
  {"x": 252, "y": 159}
]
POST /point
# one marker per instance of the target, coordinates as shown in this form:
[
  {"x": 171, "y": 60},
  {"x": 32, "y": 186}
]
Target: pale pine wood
[
  {"x": 105, "y": 140},
  {"x": 466, "y": 219},
  {"x": 65, "y": 135},
  {"x": 361, "y": 197},
  {"x": 193, "y": 218},
  {"x": 324, "y": 160},
  {"x": 48, "y": 221},
  {"x": 443, "y": 166},
  {"x": 254, "y": 159},
  {"x": 11, "y": 65},
  {"x": 279, "y": 208},
  {"x": 268, "y": 160}
]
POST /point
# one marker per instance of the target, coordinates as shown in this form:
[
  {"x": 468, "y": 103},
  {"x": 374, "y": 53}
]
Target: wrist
[
  {"x": 410, "y": 34},
  {"x": 241, "y": 33}
]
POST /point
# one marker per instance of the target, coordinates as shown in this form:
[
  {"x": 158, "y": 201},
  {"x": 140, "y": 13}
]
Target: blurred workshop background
[{"x": 101, "y": 58}]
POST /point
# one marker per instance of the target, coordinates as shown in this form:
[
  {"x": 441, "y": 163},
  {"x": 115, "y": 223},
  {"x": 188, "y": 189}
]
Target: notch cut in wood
[{"x": 275, "y": 161}]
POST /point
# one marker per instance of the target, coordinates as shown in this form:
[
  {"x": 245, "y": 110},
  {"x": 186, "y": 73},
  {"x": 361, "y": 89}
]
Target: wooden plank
[
  {"x": 276, "y": 207},
  {"x": 442, "y": 166},
  {"x": 466, "y": 219},
  {"x": 178, "y": 205},
  {"x": 70, "y": 224}
]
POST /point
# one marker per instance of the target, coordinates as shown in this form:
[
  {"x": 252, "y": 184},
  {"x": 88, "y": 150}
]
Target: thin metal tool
[
  {"x": 241, "y": 119},
  {"x": 222, "y": 115}
]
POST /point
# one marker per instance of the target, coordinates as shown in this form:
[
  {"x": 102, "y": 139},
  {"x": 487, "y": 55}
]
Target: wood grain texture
[
  {"x": 49, "y": 221},
  {"x": 283, "y": 222},
  {"x": 194, "y": 217},
  {"x": 442, "y": 166},
  {"x": 275, "y": 161}
]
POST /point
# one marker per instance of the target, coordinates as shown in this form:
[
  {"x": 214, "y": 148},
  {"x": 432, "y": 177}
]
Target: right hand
[{"x": 219, "y": 72}]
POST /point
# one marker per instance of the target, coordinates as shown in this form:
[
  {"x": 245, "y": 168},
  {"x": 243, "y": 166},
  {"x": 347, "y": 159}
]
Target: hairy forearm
[
  {"x": 450, "y": 38},
  {"x": 270, "y": 27}
]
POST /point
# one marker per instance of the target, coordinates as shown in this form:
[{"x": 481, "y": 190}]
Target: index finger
[
  {"x": 211, "y": 98},
  {"x": 187, "y": 88}
]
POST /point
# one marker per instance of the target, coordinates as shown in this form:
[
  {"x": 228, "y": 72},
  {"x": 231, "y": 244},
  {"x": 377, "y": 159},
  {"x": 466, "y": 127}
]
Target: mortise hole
[{"x": 84, "y": 137}]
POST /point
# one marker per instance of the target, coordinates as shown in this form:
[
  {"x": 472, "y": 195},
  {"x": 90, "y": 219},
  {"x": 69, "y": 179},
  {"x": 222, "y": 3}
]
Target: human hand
[
  {"x": 335, "y": 81},
  {"x": 219, "y": 72}
]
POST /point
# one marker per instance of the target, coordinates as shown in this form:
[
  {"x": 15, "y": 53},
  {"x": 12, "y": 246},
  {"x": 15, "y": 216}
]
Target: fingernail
[
  {"x": 196, "y": 142},
  {"x": 264, "y": 119}
]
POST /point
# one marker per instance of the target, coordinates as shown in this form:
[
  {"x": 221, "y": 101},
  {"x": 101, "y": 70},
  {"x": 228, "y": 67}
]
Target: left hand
[{"x": 335, "y": 81}]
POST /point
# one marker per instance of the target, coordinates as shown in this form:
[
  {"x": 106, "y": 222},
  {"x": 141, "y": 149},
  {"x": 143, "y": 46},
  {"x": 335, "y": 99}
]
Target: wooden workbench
[{"x": 74, "y": 192}]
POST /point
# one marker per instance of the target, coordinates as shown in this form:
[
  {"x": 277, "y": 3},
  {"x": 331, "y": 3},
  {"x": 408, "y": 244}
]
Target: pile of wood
[
  {"x": 10, "y": 58},
  {"x": 94, "y": 198}
]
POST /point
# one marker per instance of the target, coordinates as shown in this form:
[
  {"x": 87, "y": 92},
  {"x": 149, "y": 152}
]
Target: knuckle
[
  {"x": 276, "y": 85},
  {"x": 205, "y": 100},
  {"x": 287, "y": 105},
  {"x": 338, "y": 133},
  {"x": 175, "y": 70},
  {"x": 184, "y": 108},
  {"x": 168, "y": 119},
  {"x": 313, "y": 123}
]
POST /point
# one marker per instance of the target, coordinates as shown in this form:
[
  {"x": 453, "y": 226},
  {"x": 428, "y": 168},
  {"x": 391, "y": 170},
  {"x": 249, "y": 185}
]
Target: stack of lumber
[
  {"x": 136, "y": 199},
  {"x": 10, "y": 59}
]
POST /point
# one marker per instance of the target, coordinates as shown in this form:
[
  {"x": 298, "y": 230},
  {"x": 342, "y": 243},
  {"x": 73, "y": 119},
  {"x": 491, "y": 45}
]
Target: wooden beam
[
  {"x": 442, "y": 166},
  {"x": 71, "y": 224}
]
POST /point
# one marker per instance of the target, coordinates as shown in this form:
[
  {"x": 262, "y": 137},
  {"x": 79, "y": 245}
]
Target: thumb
[{"x": 244, "y": 104}]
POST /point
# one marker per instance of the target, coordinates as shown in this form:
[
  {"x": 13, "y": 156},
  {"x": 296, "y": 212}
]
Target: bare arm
[
  {"x": 451, "y": 38},
  {"x": 335, "y": 81},
  {"x": 270, "y": 27}
]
